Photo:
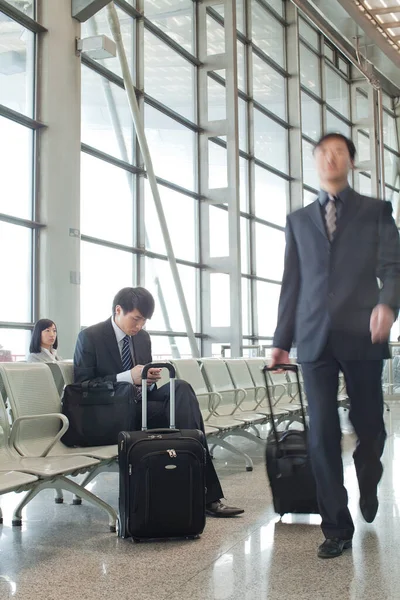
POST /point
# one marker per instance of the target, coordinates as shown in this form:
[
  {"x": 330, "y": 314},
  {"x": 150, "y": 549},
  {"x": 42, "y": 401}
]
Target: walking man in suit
[
  {"x": 339, "y": 299},
  {"x": 117, "y": 350}
]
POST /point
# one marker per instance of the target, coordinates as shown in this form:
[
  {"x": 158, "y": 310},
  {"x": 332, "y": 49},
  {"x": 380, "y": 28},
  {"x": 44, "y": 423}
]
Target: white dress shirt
[{"x": 125, "y": 375}]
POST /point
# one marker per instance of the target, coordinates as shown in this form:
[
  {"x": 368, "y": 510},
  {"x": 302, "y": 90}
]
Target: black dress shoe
[
  {"x": 333, "y": 547},
  {"x": 218, "y": 509},
  {"x": 369, "y": 506}
]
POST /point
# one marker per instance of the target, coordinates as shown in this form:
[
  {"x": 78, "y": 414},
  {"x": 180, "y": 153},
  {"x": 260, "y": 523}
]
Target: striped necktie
[
  {"x": 330, "y": 217},
  {"x": 126, "y": 356}
]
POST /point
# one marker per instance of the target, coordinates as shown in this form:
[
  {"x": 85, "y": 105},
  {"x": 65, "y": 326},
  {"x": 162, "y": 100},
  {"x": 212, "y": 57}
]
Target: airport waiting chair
[
  {"x": 219, "y": 380},
  {"x": 217, "y": 428},
  {"x": 63, "y": 374},
  {"x": 282, "y": 397},
  {"x": 242, "y": 379},
  {"x": 31, "y": 391},
  {"x": 255, "y": 366},
  {"x": 42, "y": 470}
]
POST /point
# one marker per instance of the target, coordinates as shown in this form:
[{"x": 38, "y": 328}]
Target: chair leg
[
  {"x": 77, "y": 489},
  {"x": 109, "y": 467},
  {"x": 17, "y": 516},
  {"x": 220, "y": 441},
  {"x": 256, "y": 432},
  {"x": 211, "y": 448},
  {"x": 70, "y": 486},
  {"x": 248, "y": 436},
  {"x": 281, "y": 419},
  {"x": 58, "y": 496}
]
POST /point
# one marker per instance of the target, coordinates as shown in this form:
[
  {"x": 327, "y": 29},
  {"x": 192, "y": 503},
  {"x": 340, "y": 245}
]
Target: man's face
[
  {"x": 333, "y": 160},
  {"x": 131, "y": 322}
]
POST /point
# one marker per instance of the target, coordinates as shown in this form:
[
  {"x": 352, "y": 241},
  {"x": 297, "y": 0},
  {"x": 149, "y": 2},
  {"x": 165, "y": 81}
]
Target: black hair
[
  {"x": 36, "y": 340},
  {"x": 130, "y": 298},
  {"x": 330, "y": 136}
]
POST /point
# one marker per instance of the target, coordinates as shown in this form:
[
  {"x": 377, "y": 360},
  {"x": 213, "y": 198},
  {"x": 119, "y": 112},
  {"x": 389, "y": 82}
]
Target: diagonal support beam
[
  {"x": 82, "y": 10},
  {"x": 391, "y": 24},
  {"x": 385, "y": 10}
]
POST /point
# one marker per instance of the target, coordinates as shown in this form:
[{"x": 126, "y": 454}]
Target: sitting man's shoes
[
  {"x": 369, "y": 506},
  {"x": 333, "y": 547},
  {"x": 218, "y": 509}
]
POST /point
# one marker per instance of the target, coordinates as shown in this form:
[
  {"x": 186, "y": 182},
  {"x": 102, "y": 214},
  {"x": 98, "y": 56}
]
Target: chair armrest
[
  {"x": 211, "y": 406},
  {"x": 238, "y": 391},
  {"x": 235, "y": 392},
  {"x": 274, "y": 387},
  {"x": 16, "y": 425},
  {"x": 260, "y": 391},
  {"x": 214, "y": 405}
]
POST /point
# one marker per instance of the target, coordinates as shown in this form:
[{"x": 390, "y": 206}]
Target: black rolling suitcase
[
  {"x": 288, "y": 465},
  {"x": 161, "y": 477}
]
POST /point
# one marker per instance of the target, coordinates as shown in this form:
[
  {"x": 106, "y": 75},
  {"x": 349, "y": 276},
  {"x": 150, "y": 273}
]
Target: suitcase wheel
[
  {"x": 192, "y": 537},
  {"x": 113, "y": 528},
  {"x": 249, "y": 468}
]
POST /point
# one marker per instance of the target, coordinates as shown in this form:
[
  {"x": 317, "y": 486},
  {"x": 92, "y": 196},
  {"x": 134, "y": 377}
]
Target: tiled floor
[{"x": 66, "y": 552}]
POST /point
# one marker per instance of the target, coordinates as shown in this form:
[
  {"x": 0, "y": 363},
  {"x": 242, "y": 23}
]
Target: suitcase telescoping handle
[
  {"x": 172, "y": 374},
  {"x": 294, "y": 369}
]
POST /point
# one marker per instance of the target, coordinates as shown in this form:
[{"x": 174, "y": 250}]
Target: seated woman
[{"x": 44, "y": 342}]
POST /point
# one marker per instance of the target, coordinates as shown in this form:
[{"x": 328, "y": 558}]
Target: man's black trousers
[{"x": 364, "y": 388}]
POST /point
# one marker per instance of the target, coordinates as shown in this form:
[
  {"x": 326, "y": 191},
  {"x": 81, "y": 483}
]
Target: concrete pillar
[{"x": 59, "y": 107}]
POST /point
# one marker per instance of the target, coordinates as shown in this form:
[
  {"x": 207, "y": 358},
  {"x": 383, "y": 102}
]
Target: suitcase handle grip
[
  {"x": 162, "y": 431},
  {"x": 283, "y": 367},
  {"x": 160, "y": 365}
]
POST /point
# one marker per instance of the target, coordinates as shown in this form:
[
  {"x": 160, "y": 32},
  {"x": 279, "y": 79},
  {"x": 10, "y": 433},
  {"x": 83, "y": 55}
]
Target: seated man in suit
[{"x": 117, "y": 350}]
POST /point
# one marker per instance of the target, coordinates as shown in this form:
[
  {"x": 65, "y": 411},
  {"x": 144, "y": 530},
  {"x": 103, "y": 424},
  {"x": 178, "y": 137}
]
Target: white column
[{"x": 59, "y": 107}]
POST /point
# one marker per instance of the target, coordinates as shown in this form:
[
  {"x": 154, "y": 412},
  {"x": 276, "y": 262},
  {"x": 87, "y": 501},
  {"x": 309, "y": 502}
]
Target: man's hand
[
  {"x": 153, "y": 375},
  {"x": 136, "y": 374},
  {"x": 382, "y": 319},
  {"x": 279, "y": 357}
]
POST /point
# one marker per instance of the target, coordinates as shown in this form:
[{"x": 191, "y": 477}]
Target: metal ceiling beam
[
  {"x": 371, "y": 30},
  {"x": 391, "y": 24},
  {"x": 333, "y": 20},
  {"x": 82, "y": 10},
  {"x": 387, "y": 10}
]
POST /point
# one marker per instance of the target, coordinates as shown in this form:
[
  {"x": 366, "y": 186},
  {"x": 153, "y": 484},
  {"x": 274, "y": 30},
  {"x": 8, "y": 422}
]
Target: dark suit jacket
[
  {"x": 329, "y": 290},
  {"x": 97, "y": 355}
]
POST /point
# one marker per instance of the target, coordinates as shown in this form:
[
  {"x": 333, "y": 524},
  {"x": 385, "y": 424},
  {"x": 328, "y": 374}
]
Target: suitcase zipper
[
  {"x": 160, "y": 437},
  {"x": 160, "y": 452}
]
